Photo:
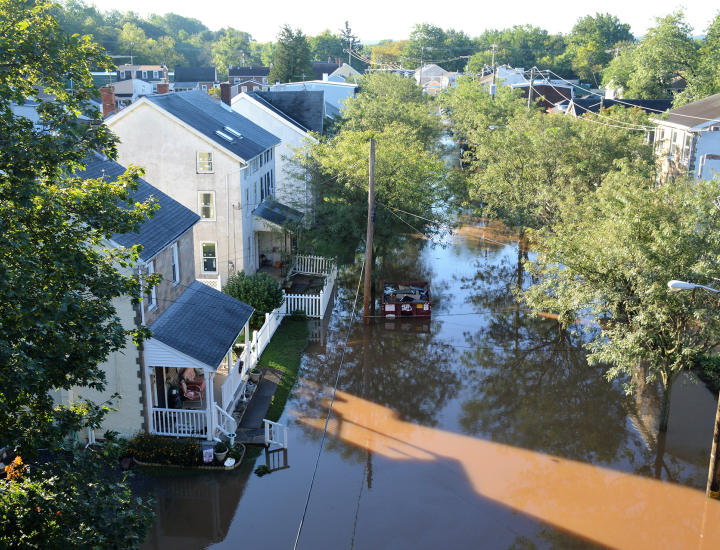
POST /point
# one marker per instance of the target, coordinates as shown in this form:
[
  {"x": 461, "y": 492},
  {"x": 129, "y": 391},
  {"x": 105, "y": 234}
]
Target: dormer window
[
  {"x": 122, "y": 74},
  {"x": 204, "y": 162},
  {"x": 155, "y": 74},
  {"x": 237, "y": 81},
  {"x": 144, "y": 75}
]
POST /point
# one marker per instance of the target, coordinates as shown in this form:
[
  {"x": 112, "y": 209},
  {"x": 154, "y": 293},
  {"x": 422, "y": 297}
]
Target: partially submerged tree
[{"x": 609, "y": 262}]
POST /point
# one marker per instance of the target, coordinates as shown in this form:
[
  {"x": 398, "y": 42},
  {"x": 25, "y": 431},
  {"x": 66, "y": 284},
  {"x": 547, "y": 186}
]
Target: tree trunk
[
  {"x": 665, "y": 410},
  {"x": 660, "y": 454},
  {"x": 520, "y": 267}
]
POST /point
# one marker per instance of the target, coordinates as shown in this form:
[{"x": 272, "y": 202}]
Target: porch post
[
  {"x": 210, "y": 405},
  {"x": 149, "y": 400}
]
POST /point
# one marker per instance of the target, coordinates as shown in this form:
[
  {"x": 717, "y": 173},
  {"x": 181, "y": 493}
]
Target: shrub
[
  {"x": 260, "y": 291},
  {"x": 220, "y": 447},
  {"x": 157, "y": 449},
  {"x": 298, "y": 315}
]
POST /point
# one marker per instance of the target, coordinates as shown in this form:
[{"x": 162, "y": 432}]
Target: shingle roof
[
  {"x": 189, "y": 85},
  {"x": 195, "y": 74},
  {"x": 249, "y": 71},
  {"x": 171, "y": 220},
  {"x": 580, "y": 106},
  {"x": 277, "y": 213},
  {"x": 206, "y": 115},
  {"x": 696, "y": 113},
  {"x": 331, "y": 110},
  {"x": 323, "y": 67},
  {"x": 202, "y": 323},
  {"x": 304, "y": 108}
]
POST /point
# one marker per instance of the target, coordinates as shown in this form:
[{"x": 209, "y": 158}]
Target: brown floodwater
[{"x": 482, "y": 427}]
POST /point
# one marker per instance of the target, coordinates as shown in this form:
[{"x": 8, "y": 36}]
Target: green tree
[
  {"x": 326, "y": 46},
  {"x": 388, "y": 99},
  {"x": 260, "y": 290},
  {"x": 589, "y": 41},
  {"x": 232, "y": 49},
  {"x": 705, "y": 80},
  {"x": 666, "y": 51},
  {"x": 388, "y": 51},
  {"x": 58, "y": 273},
  {"x": 291, "y": 60},
  {"x": 609, "y": 262},
  {"x": 407, "y": 177},
  {"x": 351, "y": 42}
]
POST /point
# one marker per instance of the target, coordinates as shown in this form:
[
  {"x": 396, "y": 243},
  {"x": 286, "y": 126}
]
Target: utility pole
[
  {"x": 493, "y": 70},
  {"x": 532, "y": 76},
  {"x": 350, "y": 54},
  {"x": 131, "y": 53},
  {"x": 369, "y": 239}
]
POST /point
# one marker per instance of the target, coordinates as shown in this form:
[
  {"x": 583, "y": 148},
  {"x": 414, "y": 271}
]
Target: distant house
[
  {"x": 191, "y": 78},
  {"x": 688, "y": 141},
  {"x": 212, "y": 160},
  {"x": 345, "y": 73},
  {"x": 193, "y": 326},
  {"x": 292, "y": 116},
  {"x": 154, "y": 74},
  {"x": 335, "y": 92},
  {"x": 237, "y": 75}
]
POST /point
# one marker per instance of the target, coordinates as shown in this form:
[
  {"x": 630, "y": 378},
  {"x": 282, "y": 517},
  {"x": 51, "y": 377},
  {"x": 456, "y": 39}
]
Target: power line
[{"x": 332, "y": 401}]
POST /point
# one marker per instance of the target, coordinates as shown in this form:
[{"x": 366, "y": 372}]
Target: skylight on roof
[
  {"x": 233, "y": 131},
  {"x": 224, "y": 136}
]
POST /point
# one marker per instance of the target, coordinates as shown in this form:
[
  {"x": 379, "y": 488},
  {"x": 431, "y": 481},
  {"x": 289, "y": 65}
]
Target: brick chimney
[
  {"x": 225, "y": 95},
  {"x": 107, "y": 95},
  {"x": 163, "y": 87}
]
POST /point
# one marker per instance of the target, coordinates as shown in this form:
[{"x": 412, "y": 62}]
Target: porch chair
[{"x": 193, "y": 386}]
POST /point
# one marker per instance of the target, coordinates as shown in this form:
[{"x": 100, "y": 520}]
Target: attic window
[
  {"x": 224, "y": 136},
  {"x": 233, "y": 132}
]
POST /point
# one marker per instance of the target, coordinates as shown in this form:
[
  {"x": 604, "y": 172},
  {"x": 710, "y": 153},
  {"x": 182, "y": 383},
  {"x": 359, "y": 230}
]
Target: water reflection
[{"x": 608, "y": 507}]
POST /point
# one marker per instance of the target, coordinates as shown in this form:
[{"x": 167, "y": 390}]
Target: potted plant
[
  {"x": 221, "y": 450},
  {"x": 255, "y": 374}
]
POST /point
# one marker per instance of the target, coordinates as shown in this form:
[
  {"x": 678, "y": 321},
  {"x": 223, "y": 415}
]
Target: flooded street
[{"x": 482, "y": 427}]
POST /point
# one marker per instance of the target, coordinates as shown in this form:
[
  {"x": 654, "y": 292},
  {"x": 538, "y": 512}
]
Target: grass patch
[
  {"x": 284, "y": 352},
  {"x": 707, "y": 369}
]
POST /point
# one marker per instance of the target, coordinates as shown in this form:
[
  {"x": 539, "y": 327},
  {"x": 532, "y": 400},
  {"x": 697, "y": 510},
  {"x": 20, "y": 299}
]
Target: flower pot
[
  {"x": 220, "y": 456},
  {"x": 255, "y": 376}
]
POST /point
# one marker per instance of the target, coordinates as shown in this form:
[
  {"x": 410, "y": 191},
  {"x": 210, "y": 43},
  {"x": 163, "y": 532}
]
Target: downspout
[{"x": 227, "y": 204}]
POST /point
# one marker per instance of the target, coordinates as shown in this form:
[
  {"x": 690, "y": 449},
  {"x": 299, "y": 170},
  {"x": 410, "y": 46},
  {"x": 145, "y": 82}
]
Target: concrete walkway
[{"x": 251, "y": 427}]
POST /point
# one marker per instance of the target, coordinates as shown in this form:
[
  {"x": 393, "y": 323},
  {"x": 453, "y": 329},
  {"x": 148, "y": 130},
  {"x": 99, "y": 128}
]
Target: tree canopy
[
  {"x": 590, "y": 40},
  {"x": 291, "y": 60}
]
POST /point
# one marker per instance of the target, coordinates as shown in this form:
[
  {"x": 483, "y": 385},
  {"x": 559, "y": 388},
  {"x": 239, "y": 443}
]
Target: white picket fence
[{"x": 314, "y": 305}]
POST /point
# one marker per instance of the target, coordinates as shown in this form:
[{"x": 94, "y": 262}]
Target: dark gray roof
[
  {"x": 320, "y": 68},
  {"x": 202, "y": 323},
  {"x": 206, "y": 115},
  {"x": 331, "y": 110},
  {"x": 190, "y": 85},
  {"x": 171, "y": 220},
  {"x": 277, "y": 213},
  {"x": 593, "y": 104},
  {"x": 249, "y": 71},
  {"x": 195, "y": 74},
  {"x": 304, "y": 108},
  {"x": 697, "y": 112}
]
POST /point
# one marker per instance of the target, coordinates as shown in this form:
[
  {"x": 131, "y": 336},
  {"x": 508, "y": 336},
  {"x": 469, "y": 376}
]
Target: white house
[
  {"x": 291, "y": 116},
  {"x": 210, "y": 159},
  {"x": 688, "y": 141},
  {"x": 335, "y": 92}
]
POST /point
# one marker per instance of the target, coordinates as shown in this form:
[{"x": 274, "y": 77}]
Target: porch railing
[
  {"x": 225, "y": 423},
  {"x": 276, "y": 434},
  {"x": 313, "y": 265},
  {"x": 235, "y": 379},
  {"x": 180, "y": 422}
]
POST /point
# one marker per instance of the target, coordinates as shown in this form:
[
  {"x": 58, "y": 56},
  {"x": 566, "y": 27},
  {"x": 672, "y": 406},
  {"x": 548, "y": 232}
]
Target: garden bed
[
  {"x": 238, "y": 446},
  {"x": 156, "y": 450}
]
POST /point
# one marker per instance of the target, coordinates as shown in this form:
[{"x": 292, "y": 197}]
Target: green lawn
[{"x": 284, "y": 352}]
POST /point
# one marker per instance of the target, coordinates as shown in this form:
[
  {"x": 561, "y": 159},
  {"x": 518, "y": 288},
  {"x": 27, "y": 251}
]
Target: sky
[{"x": 373, "y": 20}]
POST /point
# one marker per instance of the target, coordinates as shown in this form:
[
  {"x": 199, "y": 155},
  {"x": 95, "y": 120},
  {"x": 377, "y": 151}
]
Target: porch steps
[{"x": 251, "y": 429}]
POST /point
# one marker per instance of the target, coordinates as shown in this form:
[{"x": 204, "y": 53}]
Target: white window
[
  {"x": 255, "y": 164},
  {"x": 144, "y": 74},
  {"x": 272, "y": 183},
  {"x": 204, "y": 87},
  {"x": 244, "y": 88},
  {"x": 686, "y": 148},
  {"x": 206, "y": 202},
  {"x": 262, "y": 160},
  {"x": 152, "y": 295},
  {"x": 155, "y": 74},
  {"x": 237, "y": 81},
  {"x": 122, "y": 74},
  {"x": 264, "y": 80},
  {"x": 175, "y": 264},
  {"x": 209, "y": 257},
  {"x": 143, "y": 88},
  {"x": 204, "y": 162},
  {"x": 154, "y": 88},
  {"x": 250, "y": 251},
  {"x": 265, "y": 88}
]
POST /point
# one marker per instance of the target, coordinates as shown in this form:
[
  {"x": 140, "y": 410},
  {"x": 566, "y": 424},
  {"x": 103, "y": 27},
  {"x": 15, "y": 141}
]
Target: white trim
[
  {"x": 144, "y": 101},
  {"x": 152, "y": 342},
  {"x": 175, "y": 263},
  {"x": 152, "y": 299},
  {"x": 202, "y": 258},
  {"x": 200, "y": 206}
]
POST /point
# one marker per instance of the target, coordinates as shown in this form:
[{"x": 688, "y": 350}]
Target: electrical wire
[{"x": 332, "y": 401}]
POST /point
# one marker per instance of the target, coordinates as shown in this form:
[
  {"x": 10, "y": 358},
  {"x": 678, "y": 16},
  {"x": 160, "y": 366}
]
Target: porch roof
[
  {"x": 203, "y": 323},
  {"x": 277, "y": 213}
]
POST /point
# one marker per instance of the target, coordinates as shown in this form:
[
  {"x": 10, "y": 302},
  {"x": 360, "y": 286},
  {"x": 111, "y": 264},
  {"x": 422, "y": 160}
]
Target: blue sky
[{"x": 375, "y": 20}]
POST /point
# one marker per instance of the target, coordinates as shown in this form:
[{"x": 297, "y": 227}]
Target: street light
[{"x": 713, "y": 484}]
